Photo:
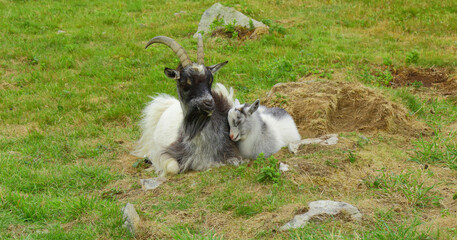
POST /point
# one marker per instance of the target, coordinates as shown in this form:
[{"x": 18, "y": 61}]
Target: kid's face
[{"x": 235, "y": 119}]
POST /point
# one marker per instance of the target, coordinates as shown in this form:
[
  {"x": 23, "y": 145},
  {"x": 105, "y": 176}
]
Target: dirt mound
[
  {"x": 426, "y": 76},
  {"x": 240, "y": 33},
  {"x": 320, "y": 107},
  {"x": 448, "y": 88}
]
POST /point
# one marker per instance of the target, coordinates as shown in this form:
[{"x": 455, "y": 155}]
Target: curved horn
[
  {"x": 178, "y": 49},
  {"x": 200, "y": 53}
]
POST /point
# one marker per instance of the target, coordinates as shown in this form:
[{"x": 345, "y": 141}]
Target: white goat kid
[{"x": 258, "y": 129}]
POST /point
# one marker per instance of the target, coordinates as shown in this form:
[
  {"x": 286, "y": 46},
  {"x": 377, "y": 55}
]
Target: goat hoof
[
  {"x": 171, "y": 166},
  {"x": 235, "y": 161}
]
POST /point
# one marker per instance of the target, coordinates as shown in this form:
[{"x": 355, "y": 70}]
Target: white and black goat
[
  {"x": 258, "y": 129},
  {"x": 192, "y": 133}
]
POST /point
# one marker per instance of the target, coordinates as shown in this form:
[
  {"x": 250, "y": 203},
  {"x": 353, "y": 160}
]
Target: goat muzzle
[{"x": 207, "y": 106}]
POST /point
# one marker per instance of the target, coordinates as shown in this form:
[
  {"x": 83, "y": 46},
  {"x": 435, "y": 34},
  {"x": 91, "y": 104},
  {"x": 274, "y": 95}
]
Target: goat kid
[
  {"x": 258, "y": 129},
  {"x": 190, "y": 133}
]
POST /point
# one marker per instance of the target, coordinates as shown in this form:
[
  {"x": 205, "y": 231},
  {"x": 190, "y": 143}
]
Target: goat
[
  {"x": 258, "y": 129},
  {"x": 191, "y": 133}
]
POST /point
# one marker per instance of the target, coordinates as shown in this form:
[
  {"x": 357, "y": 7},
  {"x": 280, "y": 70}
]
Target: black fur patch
[
  {"x": 217, "y": 145},
  {"x": 194, "y": 121},
  {"x": 276, "y": 112}
]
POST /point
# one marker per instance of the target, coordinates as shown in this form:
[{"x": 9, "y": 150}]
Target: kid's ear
[
  {"x": 254, "y": 107},
  {"x": 237, "y": 103}
]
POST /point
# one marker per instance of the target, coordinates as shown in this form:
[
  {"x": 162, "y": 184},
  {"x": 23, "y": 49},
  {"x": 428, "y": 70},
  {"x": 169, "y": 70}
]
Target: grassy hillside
[{"x": 75, "y": 77}]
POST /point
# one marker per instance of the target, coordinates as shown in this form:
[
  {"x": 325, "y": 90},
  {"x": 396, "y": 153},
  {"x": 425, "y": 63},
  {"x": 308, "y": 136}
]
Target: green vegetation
[
  {"x": 409, "y": 185},
  {"x": 269, "y": 169},
  {"x": 75, "y": 78},
  {"x": 440, "y": 149}
]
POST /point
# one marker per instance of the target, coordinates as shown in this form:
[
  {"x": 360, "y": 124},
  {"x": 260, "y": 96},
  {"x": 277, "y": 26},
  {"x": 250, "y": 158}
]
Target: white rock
[
  {"x": 178, "y": 14},
  {"x": 228, "y": 14},
  {"x": 60, "y": 31},
  {"x": 317, "y": 208},
  {"x": 130, "y": 217},
  {"x": 283, "y": 167},
  {"x": 152, "y": 183},
  {"x": 329, "y": 139}
]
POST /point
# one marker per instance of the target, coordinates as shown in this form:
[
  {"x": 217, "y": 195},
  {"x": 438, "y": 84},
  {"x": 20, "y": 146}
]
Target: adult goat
[{"x": 192, "y": 133}]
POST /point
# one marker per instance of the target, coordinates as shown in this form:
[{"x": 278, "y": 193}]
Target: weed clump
[
  {"x": 269, "y": 169},
  {"x": 412, "y": 57}
]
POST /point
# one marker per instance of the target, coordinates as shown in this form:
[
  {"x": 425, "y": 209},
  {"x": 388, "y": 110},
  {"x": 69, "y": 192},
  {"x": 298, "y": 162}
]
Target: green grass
[
  {"x": 75, "y": 77},
  {"x": 381, "y": 228},
  {"x": 410, "y": 185},
  {"x": 440, "y": 149}
]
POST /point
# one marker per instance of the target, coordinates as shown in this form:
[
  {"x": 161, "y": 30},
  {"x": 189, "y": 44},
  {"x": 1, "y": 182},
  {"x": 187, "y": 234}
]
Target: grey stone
[
  {"x": 323, "y": 207},
  {"x": 228, "y": 14},
  {"x": 178, "y": 14},
  {"x": 152, "y": 183},
  {"x": 329, "y": 139},
  {"x": 283, "y": 167},
  {"x": 130, "y": 217}
]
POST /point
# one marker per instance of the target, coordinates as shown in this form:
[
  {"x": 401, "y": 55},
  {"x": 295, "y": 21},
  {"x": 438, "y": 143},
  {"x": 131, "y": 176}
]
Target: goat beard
[{"x": 194, "y": 122}]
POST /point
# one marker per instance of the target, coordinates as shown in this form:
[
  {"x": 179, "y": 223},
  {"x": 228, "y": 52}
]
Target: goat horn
[
  {"x": 200, "y": 53},
  {"x": 178, "y": 49}
]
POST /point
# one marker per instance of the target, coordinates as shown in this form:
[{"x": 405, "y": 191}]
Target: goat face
[
  {"x": 239, "y": 120},
  {"x": 193, "y": 83}
]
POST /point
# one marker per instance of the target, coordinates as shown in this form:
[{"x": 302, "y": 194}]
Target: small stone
[
  {"x": 60, "y": 31},
  {"x": 43, "y": 231},
  {"x": 130, "y": 217},
  {"x": 321, "y": 208},
  {"x": 364, "y": 138},
  {"x": 178, "y": 14},
  {"x": 329, "y": 139},
  {"x": 152, "y": 183},
  {"x": 283, "y": 167}
]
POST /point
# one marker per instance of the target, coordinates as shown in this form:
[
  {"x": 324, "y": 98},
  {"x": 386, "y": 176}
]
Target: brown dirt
[
  {"x": 427, "y": 76},
  {"x": 320, "y": 107},
  {"x": 243, "y": 33},
  {"x": 449, "y": 87}
]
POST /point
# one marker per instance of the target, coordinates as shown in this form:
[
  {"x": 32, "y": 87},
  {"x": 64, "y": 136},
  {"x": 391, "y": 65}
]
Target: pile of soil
[
  {"x": 242, "y": 33},
  {"x": 427, "y": 76},
  {"x": 321, "y": 107}
]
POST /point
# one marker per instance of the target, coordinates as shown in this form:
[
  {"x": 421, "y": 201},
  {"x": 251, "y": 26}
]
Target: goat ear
[
  {"x": 216, "y": 67},
  {"x": 171, "y": 73},
  {"x": 254, "y": 106},
  {"x": 237, "y": 102}
]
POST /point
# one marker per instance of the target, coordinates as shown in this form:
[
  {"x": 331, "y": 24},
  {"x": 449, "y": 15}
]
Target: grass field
[{"x": 75, "y": 77}]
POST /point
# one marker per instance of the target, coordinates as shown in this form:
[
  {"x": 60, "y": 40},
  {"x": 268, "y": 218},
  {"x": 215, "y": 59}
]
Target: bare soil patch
[
  {"x": 449, "y": 87},
  {"x": 241, "y": 33},
  {"x": 320, "y": 107},
  {"x": 427, "y": 76}
]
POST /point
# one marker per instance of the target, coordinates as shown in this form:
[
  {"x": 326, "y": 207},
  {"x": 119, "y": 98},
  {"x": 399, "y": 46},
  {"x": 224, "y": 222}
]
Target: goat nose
[
  {"x": 231, "y": 136},
  {"x": 208, "y": 104}
]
